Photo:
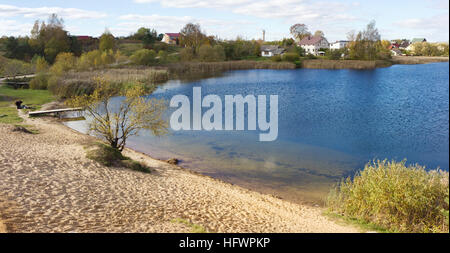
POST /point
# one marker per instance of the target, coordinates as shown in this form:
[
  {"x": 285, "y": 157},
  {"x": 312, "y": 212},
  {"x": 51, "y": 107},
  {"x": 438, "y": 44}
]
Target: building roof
[
  {"x": 83, "y": 37},
  {"x": 311, "y": 40},
  {"x": 418, "y": 40},
  {"x": 396, "y": 50},
  {"x": 404, "y": 44},
  {"x": 272, "y": 48},
  {"x": 173, "y": 35},
  {"x": 341, "y": 41}
]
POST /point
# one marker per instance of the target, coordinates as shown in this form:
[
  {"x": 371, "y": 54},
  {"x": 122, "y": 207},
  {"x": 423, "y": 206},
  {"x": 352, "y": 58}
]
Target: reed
[
  {"x": 189, "y": 68},
  {"x": 343, "y": 64},
  {"x": 395, "y": 197},
  {"x": 77, "y": 83}
]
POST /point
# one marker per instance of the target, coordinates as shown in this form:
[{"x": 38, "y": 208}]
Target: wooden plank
[{"x": 56, "y": 111}]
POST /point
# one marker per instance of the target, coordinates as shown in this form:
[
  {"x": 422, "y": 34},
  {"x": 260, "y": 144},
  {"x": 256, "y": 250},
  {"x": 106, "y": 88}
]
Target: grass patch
[
  {"x": 129, "y": 48},
  {"x": 111, "y": 157},
  {"x": 394, "y": 197},
  {"x": 32, "y": 98},
  {"x": 29, "y": 129},
  {"x": 362, "y": 225},
  {"x": 194, "y": 227},
  {"x": 8, "y": 115}
]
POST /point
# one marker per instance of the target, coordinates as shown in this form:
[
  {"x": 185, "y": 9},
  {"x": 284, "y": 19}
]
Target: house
[
  {"x": 394, "y": 45},
  {"x": 418, "y": 40},
  {"x": 271, "y": 50},
  {"x": 339, "y": 44},
  {"x": 413, "y": 41},
  {"x": 313, "y": 44},
  {"x": 404, "y": 44},
  {"x": 396, "y": 52},
  {"x": 171, "y": 38}
]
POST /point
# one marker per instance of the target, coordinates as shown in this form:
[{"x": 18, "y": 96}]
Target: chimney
[{"x": 264, "y": 35}]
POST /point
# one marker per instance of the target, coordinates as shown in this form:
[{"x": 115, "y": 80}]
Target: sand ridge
[{"x": 48, "y": 185}]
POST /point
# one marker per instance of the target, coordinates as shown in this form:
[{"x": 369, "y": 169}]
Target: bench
[{"x": 55, "y": 111}]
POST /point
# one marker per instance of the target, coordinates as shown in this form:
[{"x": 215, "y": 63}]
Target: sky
[{"x": 228, "y": 19}]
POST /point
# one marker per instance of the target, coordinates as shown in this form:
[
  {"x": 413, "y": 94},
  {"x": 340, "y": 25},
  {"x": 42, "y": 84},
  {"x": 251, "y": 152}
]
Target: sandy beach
[{"x": 48, "y": 185}]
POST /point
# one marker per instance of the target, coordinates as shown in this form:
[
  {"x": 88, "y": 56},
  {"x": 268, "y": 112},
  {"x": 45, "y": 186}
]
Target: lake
[{"x": 331, "y": 122}]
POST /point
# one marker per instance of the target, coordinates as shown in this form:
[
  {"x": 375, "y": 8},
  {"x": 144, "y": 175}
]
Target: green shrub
[
  {"x": 207, "y": 53},
  {"x": 292, "y": 57},
  {"x": 276, "y": 58},
  {"x": 395, "y": 197},
  {"x": 111, "y": 157},
  {"x": 143, "y": 57},
  {"x": 187, "y": 54},
  {"x": 39, "y": 82}
]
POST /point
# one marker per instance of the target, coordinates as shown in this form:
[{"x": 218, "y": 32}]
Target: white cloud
[
  {"x": 14, "y": 28},
  {"x": 44, "y": 12},
  {"x": 289, "y": 10},
  {"x": 435, "y": 27},
  {"x": 163, "y": 24}
]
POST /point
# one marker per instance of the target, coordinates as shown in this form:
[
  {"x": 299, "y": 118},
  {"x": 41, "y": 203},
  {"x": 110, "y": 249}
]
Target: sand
[{"x": 48, "y": 185}]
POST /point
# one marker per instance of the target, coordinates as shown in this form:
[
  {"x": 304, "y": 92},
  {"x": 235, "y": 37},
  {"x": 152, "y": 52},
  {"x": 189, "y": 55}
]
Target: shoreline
[{"x": 50, "y": 186}]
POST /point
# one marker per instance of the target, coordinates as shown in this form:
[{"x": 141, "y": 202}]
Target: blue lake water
[{"x": 331, "y": 122}]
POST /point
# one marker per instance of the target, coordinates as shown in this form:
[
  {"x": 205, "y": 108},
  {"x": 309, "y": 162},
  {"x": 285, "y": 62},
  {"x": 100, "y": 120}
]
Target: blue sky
[{"x": 230, "y": 18}]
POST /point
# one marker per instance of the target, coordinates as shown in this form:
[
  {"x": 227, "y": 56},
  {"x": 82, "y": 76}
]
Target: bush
[
  {"x": 207, "y": 53},
  {"x": 276, "y": 58},
  {"x": 292, "y": 57},
  {"x": 63, "y": 63},
  {"x": 39, "y": 82},
  {"x": 143, "y": 57},
  {"x": 395, "y": 197},
  {"x": 187, "y": 54},
  {"x": 111, "y": 157}
]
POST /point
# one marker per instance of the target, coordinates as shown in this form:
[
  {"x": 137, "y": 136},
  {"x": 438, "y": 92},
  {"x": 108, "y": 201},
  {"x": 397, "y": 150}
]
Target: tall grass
[
  {"x": 191, "y": 68},
  {"x": 77, "y": 83},
  {"x": 396, "y": 197},
  {"x": 343, "y": 64}
]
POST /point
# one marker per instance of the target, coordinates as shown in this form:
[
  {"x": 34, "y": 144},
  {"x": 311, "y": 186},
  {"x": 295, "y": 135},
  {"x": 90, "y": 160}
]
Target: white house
[
  {"x": 339, "y": 44},
  {"x": 271, "y": 50},
  {"x": 313, "y": 44}
]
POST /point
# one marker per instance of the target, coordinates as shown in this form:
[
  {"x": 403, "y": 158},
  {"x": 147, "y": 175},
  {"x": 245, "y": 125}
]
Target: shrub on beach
[
  {"x": 111, "y": 157},
  {"x": 396, "y": 197}
]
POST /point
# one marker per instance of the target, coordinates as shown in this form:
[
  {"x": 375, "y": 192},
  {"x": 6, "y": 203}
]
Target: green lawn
[{"x": 32, "y": 98}]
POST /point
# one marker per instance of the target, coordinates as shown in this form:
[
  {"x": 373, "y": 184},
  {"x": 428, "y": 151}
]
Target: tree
[
  {"x": 63, "y": 63},
  {"x": 50, "y": 39},
  {"x": 367, "y": 45},
  {"x": 41, "y": 64},
  {"x": 299, "y": 31},
  {"x": 115, "y": 124},
  {"x": 191, "y": 36},
  {"x": 147, "y": 36},
  {"x": 107, "y": 41},
  {"x": 319, "y": 33}
]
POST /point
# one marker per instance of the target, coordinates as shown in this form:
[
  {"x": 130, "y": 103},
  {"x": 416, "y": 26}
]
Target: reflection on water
[{"x": 331, "y": 122}]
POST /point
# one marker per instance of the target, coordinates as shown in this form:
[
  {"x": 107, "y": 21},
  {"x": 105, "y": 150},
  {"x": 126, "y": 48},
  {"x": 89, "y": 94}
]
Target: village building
[
  {"x": 413, "y": 41},
  {"x": 339, "y": 44},
  {"x": 171, "y": 38},
  {"x": 271, "y": 50},
  {"x": 396, "y": 52},
  {"x": 313, "y": 44}
]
